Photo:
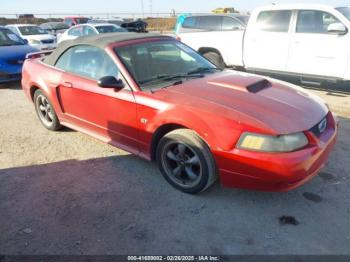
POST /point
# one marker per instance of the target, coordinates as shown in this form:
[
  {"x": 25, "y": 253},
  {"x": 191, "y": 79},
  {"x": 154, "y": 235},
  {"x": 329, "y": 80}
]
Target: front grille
[
  {"x": 15, "y": 61},
  {"x": 5, "y": 76},
  {"x": 48, "y": 41},
  {"x": 320, "y": 127}
]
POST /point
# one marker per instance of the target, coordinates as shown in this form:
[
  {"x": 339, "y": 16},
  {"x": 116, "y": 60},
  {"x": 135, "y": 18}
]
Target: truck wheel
[
  {"x": 186, "y": 162},
  {"x": 216, "y": 59},
  {"x": 46, "y": 112}
]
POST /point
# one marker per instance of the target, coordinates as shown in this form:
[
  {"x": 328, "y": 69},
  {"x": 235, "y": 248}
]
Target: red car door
[{"x": 106, "y": 113}]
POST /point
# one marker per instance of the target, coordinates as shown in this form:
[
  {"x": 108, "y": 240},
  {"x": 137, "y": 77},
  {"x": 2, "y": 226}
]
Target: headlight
[
  {"x": 265, "y": 143},
  {"x": 34, "y": 42}
]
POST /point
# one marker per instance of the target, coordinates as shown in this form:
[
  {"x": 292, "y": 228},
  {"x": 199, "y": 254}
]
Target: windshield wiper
[
  {"x": 204, "y": 70},
  {"x": 170, "y": 77}
]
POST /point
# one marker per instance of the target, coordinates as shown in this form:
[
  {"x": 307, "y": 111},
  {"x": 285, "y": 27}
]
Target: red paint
[{"x": 218, "y": 107}]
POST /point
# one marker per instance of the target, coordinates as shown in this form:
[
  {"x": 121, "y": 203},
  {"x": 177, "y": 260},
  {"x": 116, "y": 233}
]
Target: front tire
[
  {"x": 186, "y": 162},
  {"x": 45, "y": 112}
]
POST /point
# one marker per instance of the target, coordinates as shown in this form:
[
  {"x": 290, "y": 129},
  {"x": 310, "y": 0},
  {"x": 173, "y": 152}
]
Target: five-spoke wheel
[
  {"x": 45, "y": 111},
  {"x": 186, "y": 161}
]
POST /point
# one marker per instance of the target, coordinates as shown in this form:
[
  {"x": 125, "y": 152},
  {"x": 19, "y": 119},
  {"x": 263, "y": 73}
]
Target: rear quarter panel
[{"x": 37, "y": 75}]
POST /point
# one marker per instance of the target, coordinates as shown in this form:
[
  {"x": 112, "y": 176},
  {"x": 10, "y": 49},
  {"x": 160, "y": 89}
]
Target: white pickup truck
[{"x": 309, "y": 41}]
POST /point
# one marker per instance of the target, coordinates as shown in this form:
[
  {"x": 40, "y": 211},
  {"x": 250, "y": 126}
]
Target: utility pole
[
  {"x": 151, "y": 6},
  {"x": 143, "y": 9}
]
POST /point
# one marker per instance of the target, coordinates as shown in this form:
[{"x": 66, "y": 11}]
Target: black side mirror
[{"x": 110, "y": 82}]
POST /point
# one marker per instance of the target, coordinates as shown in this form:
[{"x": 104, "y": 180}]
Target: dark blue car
[{"x": 13, "y": 51}]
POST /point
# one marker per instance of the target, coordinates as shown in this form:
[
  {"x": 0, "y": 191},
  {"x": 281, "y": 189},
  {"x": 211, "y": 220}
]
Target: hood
[
  {"x": 15, "y": 52},
  {"x": 275, "y": 106},
  {"x": 39, "y": 37}
]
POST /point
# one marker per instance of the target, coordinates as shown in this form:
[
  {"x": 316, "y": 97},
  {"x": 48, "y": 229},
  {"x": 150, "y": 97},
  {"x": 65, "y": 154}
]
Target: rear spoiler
[{"x": 39, "y": 54}]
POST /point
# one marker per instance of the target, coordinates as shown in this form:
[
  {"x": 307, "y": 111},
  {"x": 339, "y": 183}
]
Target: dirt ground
[{"x": 66, "y": 193}]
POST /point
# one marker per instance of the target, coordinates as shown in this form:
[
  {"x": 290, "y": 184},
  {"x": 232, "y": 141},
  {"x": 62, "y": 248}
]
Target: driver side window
[
  {"x": 87, "y": 61},
  {"x": 314, "y": 22}
]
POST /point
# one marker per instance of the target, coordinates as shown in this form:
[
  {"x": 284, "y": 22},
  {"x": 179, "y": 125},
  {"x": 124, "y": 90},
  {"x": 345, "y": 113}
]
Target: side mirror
[
  {"x": 337, "y": 28},
  {"x": 110, "y": 82},
  {"x": 25, "y": 41}
]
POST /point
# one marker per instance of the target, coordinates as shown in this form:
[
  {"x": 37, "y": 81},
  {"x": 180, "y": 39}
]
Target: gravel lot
[{"x": 66, "y": 193}]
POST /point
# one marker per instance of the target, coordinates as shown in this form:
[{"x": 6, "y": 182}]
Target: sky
[{"x": 135, "y": 6}]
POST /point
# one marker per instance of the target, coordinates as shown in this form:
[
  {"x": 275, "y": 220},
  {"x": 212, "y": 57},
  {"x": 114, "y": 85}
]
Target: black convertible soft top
[{"x": 101, "y": 41}]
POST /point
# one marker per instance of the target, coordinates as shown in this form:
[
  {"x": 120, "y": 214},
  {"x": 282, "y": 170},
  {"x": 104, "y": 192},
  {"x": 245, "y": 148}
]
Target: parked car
[
  {"x": 114, "y": 21},
  {"x": 75, "y": 20},
  {"x": 13, "y": 51},
  {"x": 155, "y": 97},
  {"x": 210, "y": 33},
  {"x": 36, "y": 36},
  {"x": 89, "y": 29},
  {"x": 55, "y": 28},
  {"x": 224, "y": 10},
  {"x": 310, "y": 42},
  {"x": 26, "y": 16},
  {"x": 188, "y": 23},
  {"x": 138, "y": 26}
]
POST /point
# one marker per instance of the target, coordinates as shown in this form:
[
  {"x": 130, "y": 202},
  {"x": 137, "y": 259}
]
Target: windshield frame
[
  {"x": 11, "y": 42},
  {"x": 172, "y": 81}
]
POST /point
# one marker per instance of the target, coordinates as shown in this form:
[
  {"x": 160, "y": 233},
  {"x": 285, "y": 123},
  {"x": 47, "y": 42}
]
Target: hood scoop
[
  {"x": 249, "y": 84},
  {"x": 258, "y": 86}
]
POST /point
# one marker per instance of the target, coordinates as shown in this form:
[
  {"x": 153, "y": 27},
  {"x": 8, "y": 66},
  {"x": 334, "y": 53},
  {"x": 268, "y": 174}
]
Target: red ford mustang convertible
[{"x": 155, "y": 97}]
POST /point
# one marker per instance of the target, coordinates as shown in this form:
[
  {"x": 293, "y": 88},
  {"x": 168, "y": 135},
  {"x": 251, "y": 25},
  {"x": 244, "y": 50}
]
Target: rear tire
[
  {"x": 186, "y": 162},
  {"x": 216, "y": 59},
  {"x": 45, "y": 112}
]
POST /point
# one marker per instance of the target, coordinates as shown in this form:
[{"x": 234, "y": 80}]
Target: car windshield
[
  {"x": 82, "y": 20},
  {"x": 32, "y": 30},
  {"x": 109, "y": 29},
  {"x": 8, "y": 38},
  {"x": 59, "y": 26},
  {"x": 163, "y": 63},
  {"x": 345, "y": 11}
]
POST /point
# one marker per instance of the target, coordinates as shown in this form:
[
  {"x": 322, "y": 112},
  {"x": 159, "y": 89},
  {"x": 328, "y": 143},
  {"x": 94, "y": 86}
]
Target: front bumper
[
  {"x": 9, "y": 78},
  {"x": 45, "y": 46},
  {"x": 277, "y": 172}
]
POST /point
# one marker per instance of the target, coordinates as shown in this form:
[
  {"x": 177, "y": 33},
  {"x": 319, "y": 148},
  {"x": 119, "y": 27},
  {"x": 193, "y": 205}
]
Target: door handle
[{"x": 67, "y": 84}]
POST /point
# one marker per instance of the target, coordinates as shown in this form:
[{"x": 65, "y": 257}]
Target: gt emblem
[
  {"x": 144, "y": 120},
  {"x": 322, "y": 126}
]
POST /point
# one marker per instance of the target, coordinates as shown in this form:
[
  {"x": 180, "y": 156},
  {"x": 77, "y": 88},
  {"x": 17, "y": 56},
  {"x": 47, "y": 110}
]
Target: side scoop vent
[{"x": 258, "y": 86}]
